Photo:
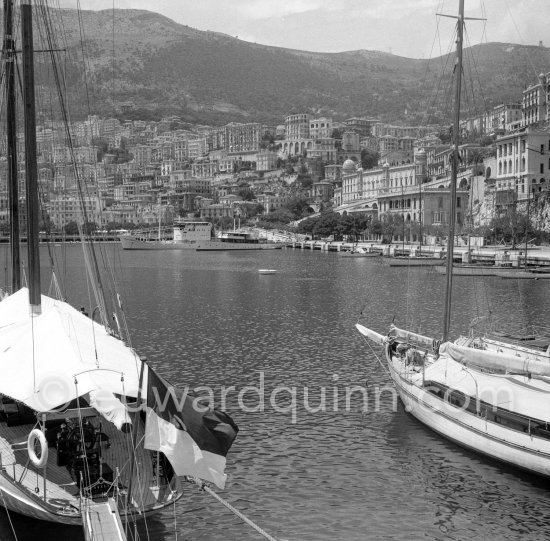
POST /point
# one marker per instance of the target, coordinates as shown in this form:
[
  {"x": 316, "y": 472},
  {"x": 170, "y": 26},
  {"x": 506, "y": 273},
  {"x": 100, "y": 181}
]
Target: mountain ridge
[{"x": 166, "y": 68}]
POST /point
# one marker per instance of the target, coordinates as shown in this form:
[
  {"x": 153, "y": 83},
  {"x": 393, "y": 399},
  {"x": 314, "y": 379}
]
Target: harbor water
[{"x": 324, "y": 450}]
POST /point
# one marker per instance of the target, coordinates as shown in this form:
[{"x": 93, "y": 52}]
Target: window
[{"x": 541, "y": 168}]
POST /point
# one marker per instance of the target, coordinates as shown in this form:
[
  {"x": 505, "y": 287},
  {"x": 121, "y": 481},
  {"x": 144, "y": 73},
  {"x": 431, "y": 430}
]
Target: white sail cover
[
  {"x": 519, "y": 394},
  {"x": 50, "y": 359},
  {"x": 494, "y": 360}
]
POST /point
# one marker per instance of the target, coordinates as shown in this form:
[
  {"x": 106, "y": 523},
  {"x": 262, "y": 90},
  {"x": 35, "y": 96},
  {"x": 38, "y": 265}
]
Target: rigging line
[
  {"x": 427, "y": 70},
  {"x": 521, "y": 40},
  {"x": 443, "y": 77},
  {"x": 8, "y": 513},
  {"x": 376, "y": 356},
  {"x": 175, "y": 521},
  {"x": 141, "y": 486},
  {"x": 85, "y": 57},
  {"x": 202, "y": 485},
  {"x": 470, "y": 54},
  {"x": 119, "y": 302},
  {"x": 85, "y": 187},
  {"x": 113, "y": 59},
  {"x": 84, "y": 235}
]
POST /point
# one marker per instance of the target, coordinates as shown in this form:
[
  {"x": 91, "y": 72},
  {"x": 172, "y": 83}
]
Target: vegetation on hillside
[{"x": 206, "y": 77}]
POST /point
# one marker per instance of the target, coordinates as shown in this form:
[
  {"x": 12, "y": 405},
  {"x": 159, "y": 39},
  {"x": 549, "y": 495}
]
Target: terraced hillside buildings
[{"x": 134, "y": 170}]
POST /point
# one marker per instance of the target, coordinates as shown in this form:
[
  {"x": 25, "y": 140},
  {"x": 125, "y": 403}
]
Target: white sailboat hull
[
  {"x": 468, "y": 430},
  {"x": 15, "y": 500}
]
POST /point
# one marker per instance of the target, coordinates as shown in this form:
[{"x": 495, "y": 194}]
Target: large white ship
[{"x": 191, "y": 235}]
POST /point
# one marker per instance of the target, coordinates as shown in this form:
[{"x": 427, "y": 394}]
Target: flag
[{"x": 195, "y": 442}]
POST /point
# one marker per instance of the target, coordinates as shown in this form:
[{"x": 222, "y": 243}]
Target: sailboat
[
  {"x": 82, "y": 430},
  {"x": 488, "y": 394}
]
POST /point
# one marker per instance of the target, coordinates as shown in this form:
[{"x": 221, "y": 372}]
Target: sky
[{"x": 407, "y": 28}]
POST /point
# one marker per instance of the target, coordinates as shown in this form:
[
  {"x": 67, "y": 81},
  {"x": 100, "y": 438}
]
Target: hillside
[{"x": 166, "y": 68}]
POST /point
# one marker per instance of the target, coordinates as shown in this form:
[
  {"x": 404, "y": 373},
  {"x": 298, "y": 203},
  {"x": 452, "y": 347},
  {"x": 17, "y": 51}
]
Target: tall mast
[
  {"x": 420, "y": 215},
  {"x": 11, "y": 134},
  {"x": 403, "y": 214},
  {"x": 454, "y": 173},
  {"x": 527, "y": 223},
  {"x": 31, "y": 168}
]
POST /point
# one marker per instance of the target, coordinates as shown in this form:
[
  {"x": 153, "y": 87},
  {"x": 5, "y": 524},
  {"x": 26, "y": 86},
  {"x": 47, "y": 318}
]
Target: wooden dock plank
[{"x": 101, "y": 522}]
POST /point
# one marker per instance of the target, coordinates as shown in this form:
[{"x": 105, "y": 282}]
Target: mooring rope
[
  {"x": 9, "y": 517},
  {"x": 235, "y": 511}
]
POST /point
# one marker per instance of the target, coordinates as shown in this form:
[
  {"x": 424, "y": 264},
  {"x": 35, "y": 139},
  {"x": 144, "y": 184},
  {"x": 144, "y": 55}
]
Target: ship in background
[{"x": 197, "y": 235}]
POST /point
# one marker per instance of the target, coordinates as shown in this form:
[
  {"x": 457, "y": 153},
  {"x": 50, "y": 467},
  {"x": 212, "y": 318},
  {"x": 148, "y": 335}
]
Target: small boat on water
[
  {"x": 414, "y": 261},
  {"x": 360, "y": 252},
  {"x": 267, "y": 271},
  {"x": 496, "y": 270},
  {"x": 523, "y": 274},
  {"x": 470, "y": 269}
]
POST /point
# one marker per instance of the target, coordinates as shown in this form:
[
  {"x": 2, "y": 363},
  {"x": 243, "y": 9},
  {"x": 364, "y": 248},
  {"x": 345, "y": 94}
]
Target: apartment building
[
  {"x": 522, "y": 166},
  {"x": 297, "y": 126},
  {"x": 320, "y": 128},
  {"x": 535, "y": 101},
  {"x": 243, "y": 137}
]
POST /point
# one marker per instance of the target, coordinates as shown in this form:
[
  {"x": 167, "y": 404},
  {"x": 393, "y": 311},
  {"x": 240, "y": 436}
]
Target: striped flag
[{"x": 196, "y": 443}]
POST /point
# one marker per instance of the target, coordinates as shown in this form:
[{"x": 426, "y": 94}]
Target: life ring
[{"x": 37, "y": 436}]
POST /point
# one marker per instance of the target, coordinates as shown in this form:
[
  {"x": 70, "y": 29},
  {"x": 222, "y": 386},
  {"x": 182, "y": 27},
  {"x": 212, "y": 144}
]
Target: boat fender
[{"x": 37, "y": 436}]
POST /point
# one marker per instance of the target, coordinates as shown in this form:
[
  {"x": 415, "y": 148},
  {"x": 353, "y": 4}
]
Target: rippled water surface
[{"x": 210, "y": 320}]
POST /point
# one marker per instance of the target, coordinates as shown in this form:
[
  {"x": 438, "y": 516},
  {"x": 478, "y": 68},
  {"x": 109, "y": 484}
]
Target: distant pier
[{"x": 503, "y": 255}]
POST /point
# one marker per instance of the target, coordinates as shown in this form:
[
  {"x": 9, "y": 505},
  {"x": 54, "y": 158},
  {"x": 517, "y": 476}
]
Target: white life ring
[{"x": 34, "y": 436}]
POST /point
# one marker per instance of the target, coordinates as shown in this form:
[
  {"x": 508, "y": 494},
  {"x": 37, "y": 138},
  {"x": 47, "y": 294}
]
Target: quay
[{"x": 500, "y": 255}]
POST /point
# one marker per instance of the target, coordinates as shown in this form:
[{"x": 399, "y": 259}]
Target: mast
[
  {"x": 420, "y": 216},
  {"x": 454, "y": 174},
  {"x": 403, "y": 214},
  {"x": 527, "y": 223},
  {"x": 31, "y": 169},
  {"x": 11, "y": 134},
  {"x": 159, "y": 235}
]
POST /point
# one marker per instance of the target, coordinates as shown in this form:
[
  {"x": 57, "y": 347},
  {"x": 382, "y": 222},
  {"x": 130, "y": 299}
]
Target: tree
[
  {"x": 89, "y": 228},
  {"x": 392, "y": 224},
  {"x": 71, "y": 228},
  {"x": 281, "y": 215},
  {"x": 327, "y": 225},
  {"x": 299, "y": 207},
  {"x": 369, "y": 158},
  {"x": 246, "y": 194}
]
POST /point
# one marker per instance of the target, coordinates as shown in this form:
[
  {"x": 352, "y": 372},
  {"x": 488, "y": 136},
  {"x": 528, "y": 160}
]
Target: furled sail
[{"x": 490, "y": 360}]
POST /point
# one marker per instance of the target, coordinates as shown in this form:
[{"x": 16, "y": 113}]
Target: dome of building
[{"x": 349, "y": 165}]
